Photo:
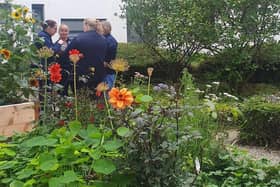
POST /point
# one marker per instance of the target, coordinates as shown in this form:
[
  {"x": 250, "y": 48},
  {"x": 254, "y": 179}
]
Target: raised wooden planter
[{"x": 16, "y": 118}]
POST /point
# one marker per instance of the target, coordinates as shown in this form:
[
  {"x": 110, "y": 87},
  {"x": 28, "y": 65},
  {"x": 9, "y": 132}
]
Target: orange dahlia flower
[
  {"x": 120, "y": 99},
  {"x": 6, "y": 53}
]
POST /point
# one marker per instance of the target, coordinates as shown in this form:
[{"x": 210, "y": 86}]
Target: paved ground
[{"x": 254, "y": 151}]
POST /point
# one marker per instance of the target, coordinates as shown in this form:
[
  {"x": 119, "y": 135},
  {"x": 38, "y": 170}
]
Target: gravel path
[{"x": 254, "y": 151}]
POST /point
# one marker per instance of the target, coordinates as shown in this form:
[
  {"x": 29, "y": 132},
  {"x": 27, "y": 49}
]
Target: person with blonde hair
[
  {"x": 93, "y": 46},
  {"x": 110, "y": 54},
  {"x": 63, "y": 32}
]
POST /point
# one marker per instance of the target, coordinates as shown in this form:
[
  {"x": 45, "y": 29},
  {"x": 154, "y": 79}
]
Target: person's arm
[{"x": 48, "y": 43}]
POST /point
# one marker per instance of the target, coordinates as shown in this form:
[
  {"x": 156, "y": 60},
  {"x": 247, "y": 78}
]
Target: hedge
[{"x": 262, "y": 124}]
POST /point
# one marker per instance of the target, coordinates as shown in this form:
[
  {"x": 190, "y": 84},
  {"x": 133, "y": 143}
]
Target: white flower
[
  {"x": 217, "y": 83},
  {"x": 197, "y": 165},
  {"x": 4, "y": 61},
  {"x": 230, "y": 96},
  {"x": 10, "y": 31},
  {"x": 208, "y": 86}
]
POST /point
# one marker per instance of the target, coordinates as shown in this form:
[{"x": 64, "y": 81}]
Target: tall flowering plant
[
  {"x": 16, "y": 53},
  {"x": 74, "y": 56}
]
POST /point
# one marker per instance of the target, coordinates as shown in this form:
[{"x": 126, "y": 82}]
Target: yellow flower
[
  {"x": 120, "y": 99},
  {"x": 119, "y": 65},
  {"x": 25, "y": 10},
  {"x": 150, "y": 71},
  {"x": 101, "y": 87},
  {"x": 45, "y": 52},
  {"x": 6, "y": 53},
  {"x": 16, "y": 14},
  {"x": 28, "y": 19}
]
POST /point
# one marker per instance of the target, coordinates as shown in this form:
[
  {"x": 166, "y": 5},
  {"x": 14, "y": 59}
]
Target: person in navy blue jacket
[
  {"x": 93, "y": 46},
  {"x": 110, "y": 54},
  {"x": 49, "y": 28}
]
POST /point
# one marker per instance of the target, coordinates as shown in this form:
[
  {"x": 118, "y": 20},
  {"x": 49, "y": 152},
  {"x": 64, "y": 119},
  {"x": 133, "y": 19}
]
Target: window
[
  {"x": 76, "y": 25},
  {"x": 38, "y": 15},
  {"x": 4, "y": 9}
]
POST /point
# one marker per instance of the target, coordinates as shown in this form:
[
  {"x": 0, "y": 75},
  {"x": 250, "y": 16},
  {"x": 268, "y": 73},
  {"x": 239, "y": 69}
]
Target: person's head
[
  {"x": 92, "y": 24},
  {"x": 106, "y": 25},
  {"x": 63, "y": 31},
  {"x": 50, "y": 26}
]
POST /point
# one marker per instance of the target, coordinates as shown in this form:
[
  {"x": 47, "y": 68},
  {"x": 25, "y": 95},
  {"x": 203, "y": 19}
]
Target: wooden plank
[
  {"x": 16, "y": 118},
  {"x": 17, "y": 114},
  {"x": 11, "y": 129}
]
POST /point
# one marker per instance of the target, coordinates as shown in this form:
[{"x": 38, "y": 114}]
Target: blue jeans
[{"x": 109, "y": 79}]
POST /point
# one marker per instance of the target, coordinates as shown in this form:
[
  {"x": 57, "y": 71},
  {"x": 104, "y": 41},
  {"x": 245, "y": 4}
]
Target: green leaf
[
  {"x": 112, "y": 145},
  {"x": 7, "y": 164},
  {"x": 104, "y": 166},
  {"x": 29, "y": 183},
  {"x": 39, "y": 141},
  {"x": 55, "y": 182},
  {"x": 48, "y": 162},
  {"x": 25, "y": 173},
  {"x": 95, "y": 154},
  {"x": 8, "y": 152},
  {"x": 68, "y": 177},
  {"x": 214, "y": 115},
  {"x": 16, "y": 184},
  {"x": 146, "y": 99},
  {"x": 122, "y": 131},
  {"x": 75, "y": 127}
]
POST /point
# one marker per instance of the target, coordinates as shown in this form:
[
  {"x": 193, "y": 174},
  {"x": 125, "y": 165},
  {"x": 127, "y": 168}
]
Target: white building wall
[{"x": 80, "y": 9}]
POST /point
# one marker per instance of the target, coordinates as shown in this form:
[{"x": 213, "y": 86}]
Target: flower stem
[
  {"x": 108, "y": 109},
  {"x": 45, "y": 92},
  {"x": 75, "y": 93},
  {"x": 149, "y": 83},
  {"x": 115, "y": 79}
]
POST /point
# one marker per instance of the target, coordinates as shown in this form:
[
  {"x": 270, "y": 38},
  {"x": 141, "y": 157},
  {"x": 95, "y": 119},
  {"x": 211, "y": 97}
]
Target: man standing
[
  {"x": 90, "y": 68},
  {"x": 110, "y": 54}
]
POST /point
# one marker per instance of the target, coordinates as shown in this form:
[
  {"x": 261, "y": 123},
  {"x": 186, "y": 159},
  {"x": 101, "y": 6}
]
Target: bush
[
  {"x": 262, "y": 124},
  {"x": 268, "y": 61},
  {"x": 140, "y": 58}
]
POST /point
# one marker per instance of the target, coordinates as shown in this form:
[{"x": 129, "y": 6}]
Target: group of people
[{"x": 97, "y": 46}]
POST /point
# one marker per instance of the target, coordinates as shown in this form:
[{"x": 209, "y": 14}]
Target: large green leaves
[
  {"x": 39, "y": 141},
  {"x": 47, "y": 162},
  {"x": 104, "y": 166}
]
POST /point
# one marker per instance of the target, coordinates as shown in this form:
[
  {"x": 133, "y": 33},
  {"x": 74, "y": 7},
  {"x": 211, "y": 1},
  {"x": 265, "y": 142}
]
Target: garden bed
[{"x": 16, "y": 118}]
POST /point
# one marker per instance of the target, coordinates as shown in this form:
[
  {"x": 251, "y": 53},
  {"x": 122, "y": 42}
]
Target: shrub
[
  {"x": 228, "y": 114},
  {"x": 140, "y": 58},
  {"x": 262, "y": 124},
  {"x": 268, "y": 61}
]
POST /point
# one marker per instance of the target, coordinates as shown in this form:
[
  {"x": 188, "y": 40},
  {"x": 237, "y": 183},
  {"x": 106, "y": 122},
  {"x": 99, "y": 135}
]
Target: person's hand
[
  {"x": 106, "y": 65},
  {"x": 60, "y": 42}
]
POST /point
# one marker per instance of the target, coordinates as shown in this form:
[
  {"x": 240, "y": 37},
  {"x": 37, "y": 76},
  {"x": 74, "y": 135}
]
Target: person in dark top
[
  {"x": 93, "y": 47},
  {"x": 49, "y": 28},
  {"x": 63, "y": 32},
  {"x": 110, "y": 54}
]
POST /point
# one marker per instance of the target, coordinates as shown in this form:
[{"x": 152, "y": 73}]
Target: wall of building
[{"x": 61, "y": 9}]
